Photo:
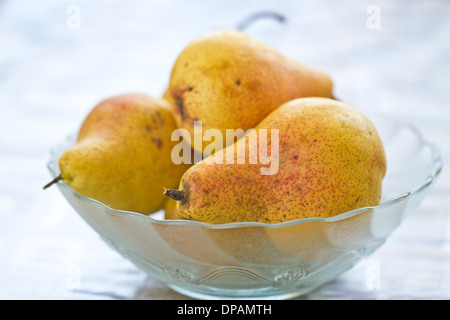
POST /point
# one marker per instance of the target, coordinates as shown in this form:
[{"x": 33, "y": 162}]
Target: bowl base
[{"x": 250, "y": 294}]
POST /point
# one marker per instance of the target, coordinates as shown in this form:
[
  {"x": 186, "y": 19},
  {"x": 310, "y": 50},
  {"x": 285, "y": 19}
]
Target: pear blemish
[{"x": 181, "y": 107}]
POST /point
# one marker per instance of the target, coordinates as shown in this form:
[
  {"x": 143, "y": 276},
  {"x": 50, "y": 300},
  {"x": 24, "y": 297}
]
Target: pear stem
[
  {"x": 258, "y": 15},
  {"x": 58, "y": 178},
  {"x": 176, "y": 195}
]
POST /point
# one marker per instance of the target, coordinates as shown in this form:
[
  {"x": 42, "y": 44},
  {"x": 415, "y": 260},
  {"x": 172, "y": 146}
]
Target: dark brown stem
[
  {"x": 58, "y": 178},
  {"x": 177, "y": 195},
  {"x": 258, "y": 15}
]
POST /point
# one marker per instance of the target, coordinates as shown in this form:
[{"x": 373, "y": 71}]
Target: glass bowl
[{"x": 250, "y": 260}]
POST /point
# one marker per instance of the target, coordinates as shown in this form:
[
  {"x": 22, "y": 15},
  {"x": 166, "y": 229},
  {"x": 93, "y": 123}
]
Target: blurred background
[{"x": 59, "y": 58}]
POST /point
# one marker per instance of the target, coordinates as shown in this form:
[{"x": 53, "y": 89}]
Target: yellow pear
[
  {"x": 325, "y": 158},
  {"x": 122, "y": 156},
  {"x": 226, "y": 79},
  {"x": 171, "y": 210}
]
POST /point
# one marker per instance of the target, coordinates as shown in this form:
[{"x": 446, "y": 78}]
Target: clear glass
[{"x": 274, "y": 261}]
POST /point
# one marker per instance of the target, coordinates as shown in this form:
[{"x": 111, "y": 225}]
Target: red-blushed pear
[
  {"x": 122, "y": 156},
  {"x": 329, "y": 160}
]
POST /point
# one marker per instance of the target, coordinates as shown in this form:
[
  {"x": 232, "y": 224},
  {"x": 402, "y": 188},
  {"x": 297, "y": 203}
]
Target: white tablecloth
[{"x": 59, "y": 58}]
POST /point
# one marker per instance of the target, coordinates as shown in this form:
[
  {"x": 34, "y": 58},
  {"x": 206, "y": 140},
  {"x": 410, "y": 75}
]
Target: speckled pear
[
  {"x": 330, "y": 160},
  {"x": 122, "y": 156},
  {"x": 226, "y": 79}
]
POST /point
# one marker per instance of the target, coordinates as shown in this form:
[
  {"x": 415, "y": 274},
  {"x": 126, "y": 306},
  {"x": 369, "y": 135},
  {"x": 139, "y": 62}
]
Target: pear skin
[
  {"x": 122, "y": 156},
  {"x": 229, "y": 80},
  {"x": 171, "y": 210},
  {"x": 330, "y": 160}
]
